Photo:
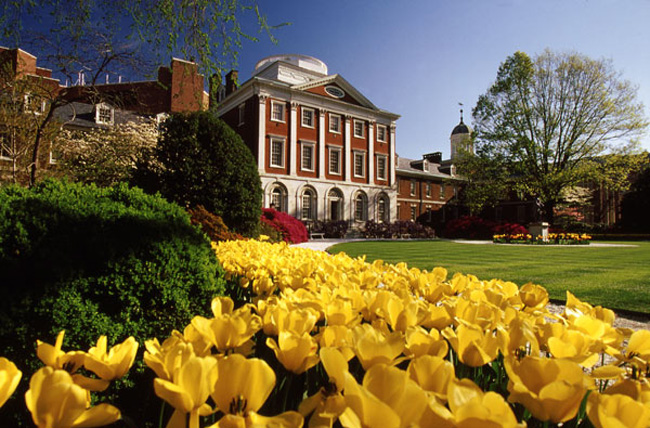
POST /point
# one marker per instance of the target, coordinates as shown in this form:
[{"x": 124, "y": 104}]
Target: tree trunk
[{"x": 549, "y": 212}]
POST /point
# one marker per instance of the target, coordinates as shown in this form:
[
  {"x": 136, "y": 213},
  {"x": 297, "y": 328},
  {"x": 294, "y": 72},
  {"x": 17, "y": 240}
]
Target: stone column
[
  {"x": 371, "y": 153},
  {"x": 322, "y": 162},
  {"x": 293, "y": 143},
  {"x": 261, "y": 126},
  {"x": 348, "y": 149}
]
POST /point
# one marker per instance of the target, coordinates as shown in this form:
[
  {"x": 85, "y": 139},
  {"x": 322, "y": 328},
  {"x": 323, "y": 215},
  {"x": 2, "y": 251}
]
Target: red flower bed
[{"x": 292, "y": 230}]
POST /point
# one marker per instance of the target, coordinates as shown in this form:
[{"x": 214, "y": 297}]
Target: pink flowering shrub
[
  {"x": 509, "y": 229},
  {"x": 293, "y": 231}
]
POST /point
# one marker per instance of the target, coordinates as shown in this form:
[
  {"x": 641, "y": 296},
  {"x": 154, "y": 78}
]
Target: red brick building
[{"x": 324, "y": 151}]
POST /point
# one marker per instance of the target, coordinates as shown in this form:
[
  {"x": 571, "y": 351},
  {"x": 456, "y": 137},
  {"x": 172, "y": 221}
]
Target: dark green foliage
[
  {"x": 636, "y": 204},
  {"x": 112, "y": 261},
  {"x": 199, "y": 160}
]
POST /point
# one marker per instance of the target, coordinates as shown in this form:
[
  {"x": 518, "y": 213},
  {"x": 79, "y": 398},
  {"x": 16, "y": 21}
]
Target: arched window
[
  {"x": 383, "y": 209},
  {"x": 361, "y": 207},
  {"x": 308, "y": 211},
  {"x": 335, "y": 204},
  {"x": 278, "y": 199}
]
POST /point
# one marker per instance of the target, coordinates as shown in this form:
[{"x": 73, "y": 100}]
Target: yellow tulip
[
  {"x": 534, "y": 297},
  {"x": 394, "y": 387},
  {"x": 339, "y": 337},
  {"x": 164, "y": 359},
  {"x": 54, "y": 357},
  {"x": 296, "y": 353},
  {"x": 365, "y": 409},
  {"x": 617, "y": 411},
  {"x": 228, "y": 331},
  {"x": 340, "y": 311},
  {"x": 328, "y": 403},
  {"x": 473, "y": 346},
  {"x": 55, "y": 401},
  {"x": 373, "y": 347},
  {"x": 115, "y": 363},
  {"x": 551, "y": 389},
  {"x": 638, "y": 350},
  {"x": 421, "y": 342},
  {"x": 520, "y": 338},
  {"x": 241, "y": 389},
  {"x": 9, "y": 379},
  {"x": 433, "y": 374},
  {"x": 637, "y": 389},
  {"x": 472, "y": 407},
  {"x": 571, "y": 344},
  {"x": 193, "y": 381}
]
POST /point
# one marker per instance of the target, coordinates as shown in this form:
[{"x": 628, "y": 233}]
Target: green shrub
[
  {"x": 93, "y": 261},
  {"x": 200, "y": 160}
]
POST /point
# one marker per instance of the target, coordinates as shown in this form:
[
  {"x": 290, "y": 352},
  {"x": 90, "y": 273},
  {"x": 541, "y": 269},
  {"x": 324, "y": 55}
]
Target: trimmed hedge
[{"x": 93, "y": 261}]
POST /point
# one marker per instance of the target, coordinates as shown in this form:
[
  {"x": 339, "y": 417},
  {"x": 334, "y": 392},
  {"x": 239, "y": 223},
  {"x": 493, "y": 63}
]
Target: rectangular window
[
  {"x": 277, "y": 152},
  {"x": 335, "y": 161},
  {"x": 277, "y": 111},
  {"x": 442, "y": 190},
  {"x": 428, "y": 190},
  {"x": 358, "y": 128},
  {"x": 104, "y": 114},
  {"x": 335, "y": 123},
  {"x": 242, "y": 114},
  {"x": 307, "y": 117},
  {"x": 381, "y": 133},
  {"x": 412, "y": 187},
  {"x": 5, "y": 148},
  {"x": 307, "y": 156},
  {"x": 359, "y": 164},
  {"x": 307, "y": 209},
  {"x": 34, "y": 104},
  {"x": 414, "y": 213},
  {"x": 381, "y": 167}
]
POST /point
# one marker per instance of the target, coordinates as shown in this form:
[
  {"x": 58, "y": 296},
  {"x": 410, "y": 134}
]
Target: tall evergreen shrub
[{"x": 90, "y": 261}]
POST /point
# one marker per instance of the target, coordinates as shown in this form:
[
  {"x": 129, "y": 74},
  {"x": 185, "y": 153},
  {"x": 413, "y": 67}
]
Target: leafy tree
[
  {"x": 105, "y": 156},
  {"x": 544, "y": 117},
  {"x": 200, "y": 160},
  {"x": 88, "y": 40},
  {"x": 486, "y": 180}
]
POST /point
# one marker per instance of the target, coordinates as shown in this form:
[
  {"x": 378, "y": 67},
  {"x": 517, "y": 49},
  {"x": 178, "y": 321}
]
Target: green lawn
[{"x": 614, "y": 277}]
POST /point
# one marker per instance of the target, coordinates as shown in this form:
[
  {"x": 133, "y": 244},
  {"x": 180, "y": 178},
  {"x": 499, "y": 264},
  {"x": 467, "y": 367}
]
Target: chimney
[{"x": 231, "y": 82}]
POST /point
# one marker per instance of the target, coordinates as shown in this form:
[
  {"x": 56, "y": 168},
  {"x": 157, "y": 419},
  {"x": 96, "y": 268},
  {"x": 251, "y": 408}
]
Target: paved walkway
[{"x": 324, "y": 244}]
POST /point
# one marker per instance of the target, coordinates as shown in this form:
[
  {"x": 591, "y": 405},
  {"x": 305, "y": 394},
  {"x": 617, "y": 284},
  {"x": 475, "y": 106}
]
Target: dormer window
[
  {"x": 104, "y": 114},
  {"x": 34, "y": 104}
]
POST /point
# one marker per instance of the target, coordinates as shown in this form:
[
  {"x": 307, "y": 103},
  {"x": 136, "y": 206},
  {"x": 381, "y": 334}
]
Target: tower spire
[{"x": 461, "y": 112}]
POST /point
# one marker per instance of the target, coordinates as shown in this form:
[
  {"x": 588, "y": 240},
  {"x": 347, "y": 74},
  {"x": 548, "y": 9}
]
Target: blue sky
[{"x": 420, "y": 58}]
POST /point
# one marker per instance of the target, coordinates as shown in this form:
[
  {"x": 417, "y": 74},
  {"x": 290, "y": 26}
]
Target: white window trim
[
  {"x": 364, "y": 208},
  {"x": 385, "y": 159},
  {"x": 98, "y": 118},
  {"x": 241, "y": 112},
  {"x": 427, "y": 189},
  {"x": 363, "y": 164},
  {"x": 330, "y": 123},
  {"x": 282, "y": 141},
  {"x": 363, "y": 128},
  {"x": 442, "y": 190},
  {"x": 284, "y": 111},
  {"x": 329, "y": 160},
  {"x": 379, "y": 133},
  {"x": 28, "y": 107},
  {"x": 303, "y": 146},
  {"x": 303, "y": 110},
  {"x": 412, "y": 187}
]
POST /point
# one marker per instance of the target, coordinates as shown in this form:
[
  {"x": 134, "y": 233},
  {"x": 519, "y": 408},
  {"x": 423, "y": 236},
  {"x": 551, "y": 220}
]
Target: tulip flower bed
[
  {"x": 313, "y": 339},
  {"x": 553, "y": 239}
]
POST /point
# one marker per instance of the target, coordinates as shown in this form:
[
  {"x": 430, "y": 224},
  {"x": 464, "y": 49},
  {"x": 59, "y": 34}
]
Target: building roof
[
  {"x": 82, "y": 115},
  {"x": 420, "y": 168}
]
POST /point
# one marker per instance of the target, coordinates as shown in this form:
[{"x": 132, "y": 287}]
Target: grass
[{"x": 614, "y": 277}]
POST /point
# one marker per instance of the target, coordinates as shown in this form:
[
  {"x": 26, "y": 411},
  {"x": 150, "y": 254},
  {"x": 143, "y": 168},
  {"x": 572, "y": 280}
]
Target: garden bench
[{"x": 319, "y": 235}]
